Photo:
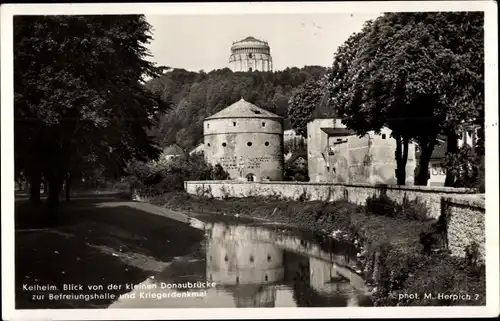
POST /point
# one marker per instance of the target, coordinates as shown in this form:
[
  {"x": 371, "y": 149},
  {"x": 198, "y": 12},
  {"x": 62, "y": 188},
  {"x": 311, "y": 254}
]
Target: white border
[{"x": 491, "y": 100}]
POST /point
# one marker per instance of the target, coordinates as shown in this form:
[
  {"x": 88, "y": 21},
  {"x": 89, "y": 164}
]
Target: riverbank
[
  {"x": 98, "y": 242},
  {"x": 396, "y": 262}
]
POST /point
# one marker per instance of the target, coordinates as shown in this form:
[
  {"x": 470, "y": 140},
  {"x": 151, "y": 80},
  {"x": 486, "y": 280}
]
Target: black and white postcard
[{"x": 296, "y": 160}]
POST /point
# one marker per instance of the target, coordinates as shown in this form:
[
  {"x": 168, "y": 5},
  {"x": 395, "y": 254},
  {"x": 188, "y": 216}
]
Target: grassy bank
[{"x": 401, "y": 252}]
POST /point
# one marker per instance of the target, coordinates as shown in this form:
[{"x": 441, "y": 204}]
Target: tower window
[
  {"x": 266, "y": 143},
  {"x": 249, "y": 144},
  {"x": 234, "y": 123},
  {"x": 266, "y": 278},
  {"x": 251, "y": 258},
  {"x": 208, "y": 144},
  {"x": 224, "y": 144},
  {"x": 208, "y": 125},
  {"x": 226, "y": 258},
  {"x": 268, "y": 258},
  {"x": 383, "y": 136},
  {"x": 263, "y": 124}
]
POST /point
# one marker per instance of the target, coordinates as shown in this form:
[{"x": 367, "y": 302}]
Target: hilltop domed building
[
  {"x": 250, "y": 54},
  {"x": 247, "y": 141}
]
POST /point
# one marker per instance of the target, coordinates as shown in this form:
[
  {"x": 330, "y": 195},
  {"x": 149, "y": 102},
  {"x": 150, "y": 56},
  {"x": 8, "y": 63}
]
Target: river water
[{"x": 243, "y": 263}]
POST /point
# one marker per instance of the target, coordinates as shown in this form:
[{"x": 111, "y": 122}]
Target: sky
[{"x": 202, "y": 42}]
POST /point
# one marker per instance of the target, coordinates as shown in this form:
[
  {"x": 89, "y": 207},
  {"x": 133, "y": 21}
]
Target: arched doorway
[{"x": 250, "y": 177}]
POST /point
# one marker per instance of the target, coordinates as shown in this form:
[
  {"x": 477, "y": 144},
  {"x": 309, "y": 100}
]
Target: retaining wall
[
  {"x": 466, "y": 224},
  {"x": 355, "y": 193}
]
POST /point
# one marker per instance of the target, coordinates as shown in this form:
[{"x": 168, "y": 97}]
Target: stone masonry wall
[
  {"x": 466, "y": 224},
  {"x": 355, "y": 193}
]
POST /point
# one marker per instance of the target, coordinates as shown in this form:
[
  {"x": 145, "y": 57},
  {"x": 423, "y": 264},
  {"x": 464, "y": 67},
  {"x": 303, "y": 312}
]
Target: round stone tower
[
  {"x": 247, "y": 141},
  {"x": 250, "y": 54}
]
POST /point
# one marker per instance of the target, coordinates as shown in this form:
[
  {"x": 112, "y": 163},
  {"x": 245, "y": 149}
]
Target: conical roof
[{"x": 243, "y": 109}]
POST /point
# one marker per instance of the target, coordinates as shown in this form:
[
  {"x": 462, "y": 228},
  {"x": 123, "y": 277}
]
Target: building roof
[
  {"x": 296, "y": 156},
  {"x": 250, "y": 39},
  {"x": 243, "y": 109},
  {"x": 337, "y": 131},
  {"x": 173, "y": 150},
  {"x": 439, "y": 152}
]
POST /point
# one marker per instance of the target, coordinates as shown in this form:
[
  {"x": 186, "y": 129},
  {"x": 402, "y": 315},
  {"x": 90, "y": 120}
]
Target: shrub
[
  {"x": 410, "y": 209},
  {"x": 467, "y": 168},
  {"x": 155, "y": 178},
  {"x": 381, "y": 205},
  {"x": 472, "y": 254},
  {"x": 413, "y": 209}
]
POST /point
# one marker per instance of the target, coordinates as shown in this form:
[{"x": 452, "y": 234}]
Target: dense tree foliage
[
  {"x": 195, "y": 96},
  {"x": 158, "y": 177},
  {"x": 295, "y": 145},
  {"x": 467, "y": 168},
  {"x": 80, "y": 98},
  {"x": 308, "y": 101},
  {"x": 420, "y": 74}
]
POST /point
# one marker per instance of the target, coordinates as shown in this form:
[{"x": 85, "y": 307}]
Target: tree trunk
[
  {"x": 401, "y": 158},
  {"x": 427, "y": 147},
  {"x": 68, "y": 187},
  {"x": 34, "y": 182},
  {"x": 55, "y": 187},
  {"x": 451, "y": 148},
  {"x": 45, "y": 187}
]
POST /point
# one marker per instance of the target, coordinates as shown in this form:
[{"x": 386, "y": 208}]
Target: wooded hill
[{"x": 193, "y": 96}]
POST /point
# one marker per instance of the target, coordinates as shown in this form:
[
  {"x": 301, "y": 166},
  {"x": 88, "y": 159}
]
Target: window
[
  {"x": 263, "y": 124},
  {"x": 237, "y": 280},
  {"x": 224, "y": 144},
  {"x": 383, "y": 136},
  {"x": 266, "y": 143},
  {"x": 249, "y": 144},
  {"x": 208, "y": 144},
  {"x": 234, "y": 123},
  {"x": 226, "y": 258},
  {"x": 251, "y": 258},
  {"x": 266, "y": 278},
  {"x": 268, "y": 258},
  {"x": 208, "y": 125}
]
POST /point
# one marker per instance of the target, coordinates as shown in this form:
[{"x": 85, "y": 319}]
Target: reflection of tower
[
  {"x": 246, "y": 268},
  {"x": 326, "y": 280}
]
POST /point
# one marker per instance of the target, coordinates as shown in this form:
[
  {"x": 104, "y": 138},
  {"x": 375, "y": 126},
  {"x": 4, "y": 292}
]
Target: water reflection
[{"x": 255, "y": 266}]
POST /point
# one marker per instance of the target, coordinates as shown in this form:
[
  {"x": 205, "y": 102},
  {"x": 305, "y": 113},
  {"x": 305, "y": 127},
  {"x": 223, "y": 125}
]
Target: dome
[
  {"x": 243, "y": 109},
  {"x": 250, "y": 42}
]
